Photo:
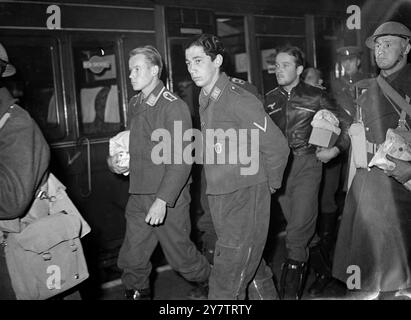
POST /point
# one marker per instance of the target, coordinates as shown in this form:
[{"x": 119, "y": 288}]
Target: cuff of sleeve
[
  {"x": 274, "y": 184},
  {"x": 168, "y": 198},
  {"x": 340, "y": 146}
]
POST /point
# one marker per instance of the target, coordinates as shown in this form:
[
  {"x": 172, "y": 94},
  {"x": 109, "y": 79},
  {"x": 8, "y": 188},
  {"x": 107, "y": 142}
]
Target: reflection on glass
[
  {"x": 230, "y": 29},
  {"x": 97, "y": 90},
  {"x": 33, "y": 84}
]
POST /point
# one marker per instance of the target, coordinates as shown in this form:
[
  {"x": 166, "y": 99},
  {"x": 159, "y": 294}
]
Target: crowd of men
[{"x": 305, "y": 179}]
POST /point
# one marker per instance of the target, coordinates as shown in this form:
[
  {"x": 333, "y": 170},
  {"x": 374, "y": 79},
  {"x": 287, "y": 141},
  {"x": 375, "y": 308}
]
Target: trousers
[
  {"x": 241, "y": 221},
  {"x": 173, "y": 235},
  {"x": 299, "y": 202}
]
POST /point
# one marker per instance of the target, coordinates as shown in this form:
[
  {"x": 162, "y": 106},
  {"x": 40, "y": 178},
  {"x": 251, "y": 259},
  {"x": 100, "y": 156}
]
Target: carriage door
[{"x": 99, "y": 98}]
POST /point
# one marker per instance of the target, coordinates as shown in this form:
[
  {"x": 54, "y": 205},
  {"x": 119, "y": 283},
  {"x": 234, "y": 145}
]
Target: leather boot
[
  {"x": 263, "y": 289},
  {"x": 199, "y": 292},
  {"x": 327, "y": 230},
  {"x": 321, "y": 264},
  {"x": 293, "y": 276},
  {"x": 321, "y": 254},
  {"x": 140, "y": 294}
]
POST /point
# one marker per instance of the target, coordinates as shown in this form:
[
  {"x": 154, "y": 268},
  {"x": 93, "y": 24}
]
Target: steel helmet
[
  {"x": 9, "y": 70},
  {"x": 389, "y": 28}
]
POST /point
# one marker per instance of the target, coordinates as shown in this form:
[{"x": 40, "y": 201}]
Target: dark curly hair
[{"x": 210, "y": 43}]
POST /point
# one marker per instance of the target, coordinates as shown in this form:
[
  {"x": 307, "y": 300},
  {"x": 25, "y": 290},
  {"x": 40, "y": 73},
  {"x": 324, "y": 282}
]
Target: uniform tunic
[
  {"x": 205, "y": 223},
  {"x": 169, "y": 182},
  {"x": 375, "y": 231},
  {"x": 240, "y": 204}
]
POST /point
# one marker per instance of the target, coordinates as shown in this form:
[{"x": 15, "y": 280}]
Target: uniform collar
[
  {"x": 218, "y": 88},
  {"x": 399, "y": 74},
  {"x": 154, "y": 95},
  {"x": 295, "y": 89}
]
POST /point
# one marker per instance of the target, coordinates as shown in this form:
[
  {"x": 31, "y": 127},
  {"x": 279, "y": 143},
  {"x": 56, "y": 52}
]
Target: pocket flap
[{"x": 47, "y": 232}]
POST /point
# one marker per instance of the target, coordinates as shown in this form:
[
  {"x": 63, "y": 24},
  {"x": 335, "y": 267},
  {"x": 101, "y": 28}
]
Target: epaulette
[
  {"x": 272, "y": 91},
  {"x": 169, "y": 96},
  {"x": 237, "y": 89},
  {"x": 237, "y": 81}
]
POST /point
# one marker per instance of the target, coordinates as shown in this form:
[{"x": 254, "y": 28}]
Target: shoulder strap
[
  {"x": 3, "y": 119},
  {"x": 394, "y": 95}
]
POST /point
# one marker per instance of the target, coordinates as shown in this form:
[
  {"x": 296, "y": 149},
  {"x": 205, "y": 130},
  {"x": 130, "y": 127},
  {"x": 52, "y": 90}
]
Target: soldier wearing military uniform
[
  {"x": 292, "y": 106},
  {"x": 342, "y": 87},
  {"x": 205, "y": 223},
  {"x": 158, "y": 207},
  {"x": 239, "y": 203},
  {"x": 374, "y": 237}
]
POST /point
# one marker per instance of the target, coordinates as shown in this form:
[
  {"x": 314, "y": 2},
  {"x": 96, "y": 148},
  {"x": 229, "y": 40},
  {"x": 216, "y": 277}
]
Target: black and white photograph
[{"x": 179, "y": 151}]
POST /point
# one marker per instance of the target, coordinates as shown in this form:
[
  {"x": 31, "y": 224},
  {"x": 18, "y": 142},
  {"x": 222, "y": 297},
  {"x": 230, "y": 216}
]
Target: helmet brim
[
  {"x": 370, "y": 42},
  {"x": 9, "y": 71}
]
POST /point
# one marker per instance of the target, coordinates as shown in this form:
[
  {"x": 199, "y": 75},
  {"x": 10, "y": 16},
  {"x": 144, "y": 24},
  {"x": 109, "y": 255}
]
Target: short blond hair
[{"x": 151, "y": 54}]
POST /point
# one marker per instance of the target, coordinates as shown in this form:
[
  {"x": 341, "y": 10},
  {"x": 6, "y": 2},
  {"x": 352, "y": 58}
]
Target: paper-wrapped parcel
[{"x": 118, "y": 146}]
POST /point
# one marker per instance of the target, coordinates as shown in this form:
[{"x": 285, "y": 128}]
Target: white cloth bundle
[
  {"x": 325, "y": 119},
  {"x": 396, "y": 146},
  {"x": 118, "y": 146}
]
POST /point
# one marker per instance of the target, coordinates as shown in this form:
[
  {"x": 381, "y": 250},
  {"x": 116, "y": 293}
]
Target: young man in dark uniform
[
  {"x": 205, "y": 223},
  {"x": 158, "y": 207},
  {"x": 239, "y": 200},
  {"x": 292, "y": 106}
]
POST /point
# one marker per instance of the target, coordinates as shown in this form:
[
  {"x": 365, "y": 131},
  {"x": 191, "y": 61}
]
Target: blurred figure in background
[
  {"x": 334, "y": 175},
  {"x": 313, "y": 77}
]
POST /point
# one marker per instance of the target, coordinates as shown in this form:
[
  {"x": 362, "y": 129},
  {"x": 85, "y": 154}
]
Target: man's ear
[
  {"x": 300, "y": 70},
  {"x": 218, "y": 60},
  {"x": 407, "y": 48},
  {"x": 155, "y": 71}
]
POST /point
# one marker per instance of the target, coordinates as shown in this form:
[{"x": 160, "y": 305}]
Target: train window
[
  {"x": 97, "y": 89},
  {"x": 183, "y": 86},
  {"x": 231, "y": 31},
  {"x": 37, "y": 82}
]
